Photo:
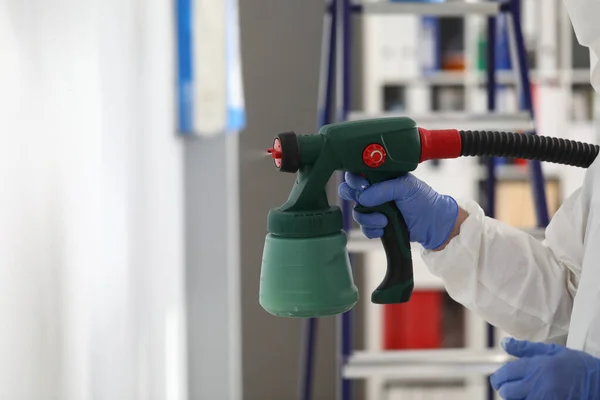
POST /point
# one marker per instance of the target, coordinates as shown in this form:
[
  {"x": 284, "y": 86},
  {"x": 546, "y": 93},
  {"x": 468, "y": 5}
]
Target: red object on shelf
[
  {"x": 416, "y": 324},
  {"x": 453, "y": 61},
  {"x": 520, "y": 161}
]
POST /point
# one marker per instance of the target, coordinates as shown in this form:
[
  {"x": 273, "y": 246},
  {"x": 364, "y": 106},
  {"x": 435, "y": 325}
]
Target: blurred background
[{"x": 134, "y": 192}]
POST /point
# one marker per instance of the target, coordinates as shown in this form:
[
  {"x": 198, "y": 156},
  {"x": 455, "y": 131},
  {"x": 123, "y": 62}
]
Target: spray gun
[{"x": 305, "y": 267}]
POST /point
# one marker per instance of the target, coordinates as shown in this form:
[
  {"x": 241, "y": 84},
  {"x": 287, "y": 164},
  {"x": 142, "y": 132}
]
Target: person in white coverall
[{"x": 536, "y": 291}]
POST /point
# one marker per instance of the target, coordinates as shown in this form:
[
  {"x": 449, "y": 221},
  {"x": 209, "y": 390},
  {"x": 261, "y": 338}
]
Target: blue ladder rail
[{"x": 336, "y": 67}]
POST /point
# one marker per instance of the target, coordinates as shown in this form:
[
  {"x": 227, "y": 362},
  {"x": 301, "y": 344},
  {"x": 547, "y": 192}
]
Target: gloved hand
[
  {"x": 429, "y": 216},
  {"x": 547, "y": 371}
]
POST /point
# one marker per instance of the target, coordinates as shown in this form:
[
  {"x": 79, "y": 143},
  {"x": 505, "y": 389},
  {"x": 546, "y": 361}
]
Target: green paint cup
[{"x": 306, "y": 277}]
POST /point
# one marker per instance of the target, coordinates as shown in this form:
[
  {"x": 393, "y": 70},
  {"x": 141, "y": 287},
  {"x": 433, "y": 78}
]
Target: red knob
[{"x": 374, "y": 155}]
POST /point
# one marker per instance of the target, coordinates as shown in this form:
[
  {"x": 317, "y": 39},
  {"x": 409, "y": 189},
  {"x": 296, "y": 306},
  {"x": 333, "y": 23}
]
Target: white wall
[{"x": 91, "y": 207}]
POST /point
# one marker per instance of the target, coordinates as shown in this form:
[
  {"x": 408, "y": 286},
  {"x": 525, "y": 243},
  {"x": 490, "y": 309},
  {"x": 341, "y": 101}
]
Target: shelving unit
[
  {"x": 385, "y": 64},
  {"x": 391, "y": 60},
  {"x": 577, "y": 76}
]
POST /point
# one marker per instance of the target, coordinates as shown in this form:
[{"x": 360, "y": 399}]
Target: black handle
[{"x": 398, "y": 284}]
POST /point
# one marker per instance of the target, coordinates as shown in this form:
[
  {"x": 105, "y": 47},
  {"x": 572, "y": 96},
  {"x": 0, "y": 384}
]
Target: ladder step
[
  {"x": 424, "y": 364},
  {"x": 453, "y": 9},
  {"x": 520, "y": 122}
]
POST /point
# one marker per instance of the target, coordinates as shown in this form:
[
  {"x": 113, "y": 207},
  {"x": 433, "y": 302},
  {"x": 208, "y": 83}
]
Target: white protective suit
[{"x": 540, "y": 291}]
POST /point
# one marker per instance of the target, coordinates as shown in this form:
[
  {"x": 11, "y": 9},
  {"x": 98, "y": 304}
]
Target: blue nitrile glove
[
  {"x": 547, "y": 371},
  {"x": 429, "y": 216}
]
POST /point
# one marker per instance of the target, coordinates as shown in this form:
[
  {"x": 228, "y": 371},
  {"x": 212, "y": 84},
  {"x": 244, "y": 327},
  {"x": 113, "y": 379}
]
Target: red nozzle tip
[{"x": 276, "y": 154}]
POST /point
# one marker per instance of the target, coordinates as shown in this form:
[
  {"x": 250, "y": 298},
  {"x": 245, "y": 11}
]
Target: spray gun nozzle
[{"x": 276, "y": 154}]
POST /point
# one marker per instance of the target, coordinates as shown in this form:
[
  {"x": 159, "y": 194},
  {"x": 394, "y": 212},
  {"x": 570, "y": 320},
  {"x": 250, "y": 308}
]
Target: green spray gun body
[
  {"x": 305, "y": 267},
  {"x": 305, "y": 233}
]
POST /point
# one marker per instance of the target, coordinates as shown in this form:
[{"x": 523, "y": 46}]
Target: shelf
[
  {"x": 425, "y": 364},
  {"x": 359, "y": 243},
  {"x": 457, "y": 78},
  {"x": 461, "y": 121},
  {"x": 453, "y": 9},
  {"x": 580, "y": 76}
]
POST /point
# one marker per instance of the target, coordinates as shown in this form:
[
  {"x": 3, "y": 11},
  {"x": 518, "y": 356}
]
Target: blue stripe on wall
[{"x": 185, "y": 92}]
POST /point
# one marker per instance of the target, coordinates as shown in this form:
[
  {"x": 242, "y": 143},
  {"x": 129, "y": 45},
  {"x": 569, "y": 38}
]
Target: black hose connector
[{"x": 528, "y": 147}]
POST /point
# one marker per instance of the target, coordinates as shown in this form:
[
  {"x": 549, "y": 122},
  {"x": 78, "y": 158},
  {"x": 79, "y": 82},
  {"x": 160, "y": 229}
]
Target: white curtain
[{"x": 91, "y": 202}]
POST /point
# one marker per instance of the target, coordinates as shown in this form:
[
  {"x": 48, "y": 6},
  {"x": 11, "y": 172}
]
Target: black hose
[{"x": 528, "y": 146}]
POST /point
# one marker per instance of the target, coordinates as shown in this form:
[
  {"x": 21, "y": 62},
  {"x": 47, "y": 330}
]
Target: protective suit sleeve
[{"x": 512, "y": 280}]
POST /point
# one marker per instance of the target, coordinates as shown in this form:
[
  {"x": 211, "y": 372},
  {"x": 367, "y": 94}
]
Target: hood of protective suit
[{"x": 583, "y": 15}]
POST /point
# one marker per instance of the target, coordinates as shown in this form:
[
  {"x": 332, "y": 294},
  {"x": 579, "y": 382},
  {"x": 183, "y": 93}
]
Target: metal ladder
[{"x": 336, "y": 68}]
